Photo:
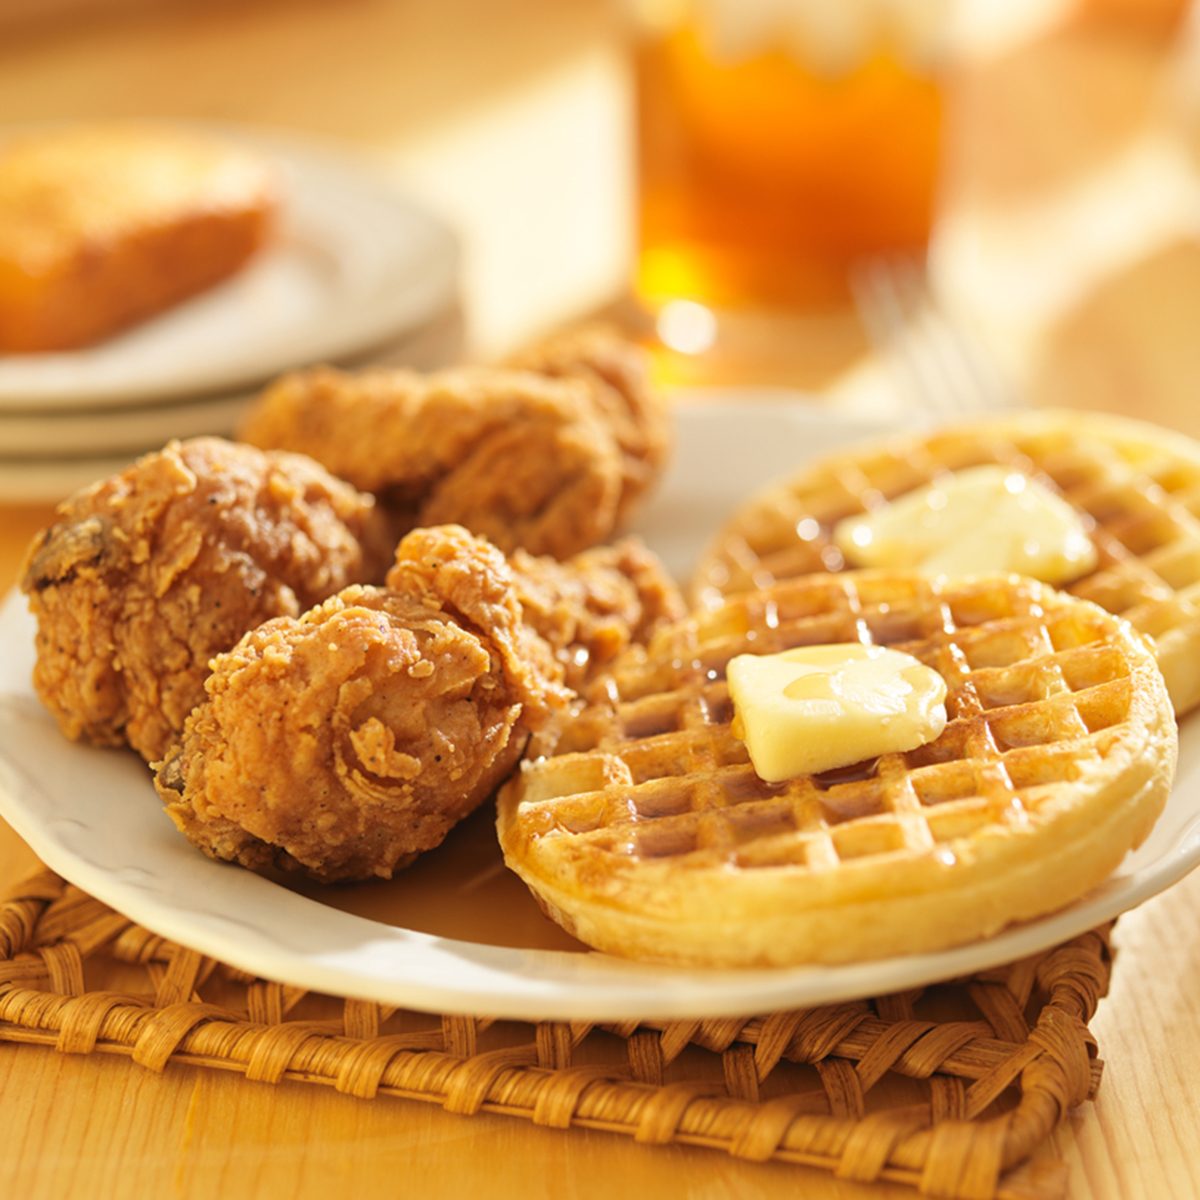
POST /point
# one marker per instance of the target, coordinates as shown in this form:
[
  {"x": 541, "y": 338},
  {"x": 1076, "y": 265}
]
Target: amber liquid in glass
[{"x": 761, "y": 181}]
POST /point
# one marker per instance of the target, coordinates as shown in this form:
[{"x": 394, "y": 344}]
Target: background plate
[
  {"x": 464, "y": 935},
  {"x": 354, "y": 263},
  {"x": 48, "y": 455}
]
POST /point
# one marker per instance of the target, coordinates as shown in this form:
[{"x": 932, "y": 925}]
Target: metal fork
[{"x": 938, "y": 365}]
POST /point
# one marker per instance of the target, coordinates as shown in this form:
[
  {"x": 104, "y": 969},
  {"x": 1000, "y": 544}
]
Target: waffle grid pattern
[
  {"x": 1140, "y": 500},
  {"x": 951, "y": 1092},
  {"x": 652, "y": 769}
]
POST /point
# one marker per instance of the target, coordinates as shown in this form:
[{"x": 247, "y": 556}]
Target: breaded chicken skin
[
  {"x": 348, "y": 741},
  {"x": 520, "y": 458},
  {"x": 588, "y": 608},
  {"x": 146, "y": 575},
  {"x": 617, "y": 373}
]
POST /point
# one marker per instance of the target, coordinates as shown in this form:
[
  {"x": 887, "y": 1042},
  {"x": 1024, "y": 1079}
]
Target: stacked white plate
[{"x": 356, "y": 272}]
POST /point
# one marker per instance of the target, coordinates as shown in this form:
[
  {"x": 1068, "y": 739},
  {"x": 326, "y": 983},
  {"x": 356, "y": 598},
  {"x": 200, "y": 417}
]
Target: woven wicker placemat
[{"x": 949, "y": 1089}]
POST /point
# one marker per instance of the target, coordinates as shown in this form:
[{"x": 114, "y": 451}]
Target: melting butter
[
  {"x": 817, "y": 708},
  {"x": 981, "y": 519}
]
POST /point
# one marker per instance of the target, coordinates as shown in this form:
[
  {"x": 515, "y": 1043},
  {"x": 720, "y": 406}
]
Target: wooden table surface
[{"x": 1069, "y": 239}]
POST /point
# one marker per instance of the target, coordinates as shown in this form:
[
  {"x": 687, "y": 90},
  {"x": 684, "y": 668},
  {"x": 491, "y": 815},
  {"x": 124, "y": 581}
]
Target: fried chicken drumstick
[
  {"x": 516, "y": 457},
  {"x": 549, "y": 458},
  {"x": 146, "y": 575},
  {"x": 347, "y": 741}
]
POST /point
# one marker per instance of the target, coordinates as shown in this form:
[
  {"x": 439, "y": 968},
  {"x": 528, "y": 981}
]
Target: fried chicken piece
[
  {"x": 520, "y": 458},
  {"x": 597, "y": 603},
  {"x": 146, "y": 575},
  {"x": 588, "y": 608},
  {"x": 348, "y": 741},
  {"x": 617, "y": 373}
]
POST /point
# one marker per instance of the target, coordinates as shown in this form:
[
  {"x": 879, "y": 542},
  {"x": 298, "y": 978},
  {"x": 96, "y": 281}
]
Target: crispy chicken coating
[
  {"x": 618, "y": 376},
  {"x": 520, "y": 458},
  {"x": 588, "y": 608},
  {"x": 146, "y": 575},
  {"x": 347, "y": 741},
  {"x": 594, "y": 605}
]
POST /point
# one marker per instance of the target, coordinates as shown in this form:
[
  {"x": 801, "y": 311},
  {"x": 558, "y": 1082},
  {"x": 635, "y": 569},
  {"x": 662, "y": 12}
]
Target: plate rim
[{"x": 729, "y": 1000}]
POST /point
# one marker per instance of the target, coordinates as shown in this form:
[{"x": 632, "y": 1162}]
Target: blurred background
[
  {"x": 875, "y": 208},
  {"x": 865, "y": 200}
]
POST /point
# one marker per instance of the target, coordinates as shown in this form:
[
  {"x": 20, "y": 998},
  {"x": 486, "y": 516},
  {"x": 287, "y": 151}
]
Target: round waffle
[
  {"x": 1136, "y": 485},
  {"x": 647, "y": 833}
]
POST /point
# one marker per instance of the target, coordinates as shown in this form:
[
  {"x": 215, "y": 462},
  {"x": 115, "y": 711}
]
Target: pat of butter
[
  {"x": 819, "y": 707},
  {"x": 982, "y": 519}
]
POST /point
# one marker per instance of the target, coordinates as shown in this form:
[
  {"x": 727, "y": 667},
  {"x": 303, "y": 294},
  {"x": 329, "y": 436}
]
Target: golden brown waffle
[
  {"x": 648, "y": 834},
  {"x": 1137, "y": 486}
]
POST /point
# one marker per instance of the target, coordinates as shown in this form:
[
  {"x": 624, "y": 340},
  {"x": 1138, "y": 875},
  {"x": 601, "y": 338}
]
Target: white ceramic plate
[
  {"x": 27, "y": 439},
  {"x": 353, "y": 264},
  {"x": 46, "y": 456},
  {"x": 475, "y": 942}
]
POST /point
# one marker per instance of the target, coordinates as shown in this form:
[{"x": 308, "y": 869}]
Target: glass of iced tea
[{"x": 780, "y": 141}]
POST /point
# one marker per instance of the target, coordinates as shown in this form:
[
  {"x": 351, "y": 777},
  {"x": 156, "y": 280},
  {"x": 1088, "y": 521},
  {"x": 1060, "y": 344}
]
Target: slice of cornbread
[{"x": 102, "y": 226}]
